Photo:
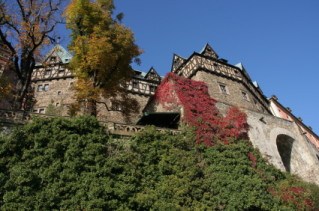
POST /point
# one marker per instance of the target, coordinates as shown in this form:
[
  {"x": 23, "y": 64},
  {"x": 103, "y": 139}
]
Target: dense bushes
[{"x": 73, "y": 164}]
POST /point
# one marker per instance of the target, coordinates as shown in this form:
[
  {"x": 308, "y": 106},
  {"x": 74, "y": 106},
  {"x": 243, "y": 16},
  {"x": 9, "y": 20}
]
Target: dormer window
[{"x": 52, "y": 58}]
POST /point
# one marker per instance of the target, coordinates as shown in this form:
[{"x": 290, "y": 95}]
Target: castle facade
[
  {"x": 283, "y": 139},
  {"x": 53, "y": 83}
]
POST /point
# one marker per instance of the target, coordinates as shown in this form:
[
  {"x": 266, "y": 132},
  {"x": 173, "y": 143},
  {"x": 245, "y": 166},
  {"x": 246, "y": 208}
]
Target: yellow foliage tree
[{"x": 103, "y": 52}]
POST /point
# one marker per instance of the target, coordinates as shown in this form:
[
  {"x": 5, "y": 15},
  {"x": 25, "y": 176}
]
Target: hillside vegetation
[{"x": 72, "y": 164}]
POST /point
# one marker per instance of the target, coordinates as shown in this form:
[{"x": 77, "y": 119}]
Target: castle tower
[
  {"x": 283, "y": 141},
  {"x": 52, "y": 82},
  {"x": 227, "y": 83}
]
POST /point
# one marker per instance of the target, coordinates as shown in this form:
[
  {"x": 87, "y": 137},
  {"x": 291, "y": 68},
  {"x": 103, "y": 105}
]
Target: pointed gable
[
  {"x": 209, "y": 51},
  {"x": 177, "y": 61},
  {"x": 58, "y": 54},
  {"x": 152, "y": 75},
  {"x": 242, "y": 68}
]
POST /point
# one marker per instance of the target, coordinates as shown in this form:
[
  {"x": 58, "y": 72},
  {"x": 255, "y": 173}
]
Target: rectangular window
[
  {"x": 40, "y": 88},
  {"x": 256, "y": 104},
  {"x": 135, "y": 84},
  {"x": 47, "y": 72},
  {"x": 116, "y": 107},
  {"x": 41, "y": 111},
  {"x": 245, "y": 95},
  {"x": 223, "y": 89},
  {"x": 46, "y": 87},
  {"x": 152, "y": 88}
]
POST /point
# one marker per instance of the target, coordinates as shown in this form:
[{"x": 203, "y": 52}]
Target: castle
[
  {"x": 281, "y": 137},
  {"x": 53, "y": 85}
]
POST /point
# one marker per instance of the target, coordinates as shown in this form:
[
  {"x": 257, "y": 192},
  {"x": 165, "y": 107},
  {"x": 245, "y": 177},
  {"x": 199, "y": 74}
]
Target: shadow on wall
[{"x": 284, "y": 146}]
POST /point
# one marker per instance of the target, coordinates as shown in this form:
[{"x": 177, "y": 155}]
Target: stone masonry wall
[
  {"x": 116, "y": 115},
  {"x": 267, "y": 132},
  {"x": 233, "y": 96},
  {"x": 57, "y": 92},
  {"x": 279, "y": 141}
]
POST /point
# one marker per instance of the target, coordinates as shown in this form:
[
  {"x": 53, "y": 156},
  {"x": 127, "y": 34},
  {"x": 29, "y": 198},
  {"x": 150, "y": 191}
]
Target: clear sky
[{"x": 276, "y": 40}]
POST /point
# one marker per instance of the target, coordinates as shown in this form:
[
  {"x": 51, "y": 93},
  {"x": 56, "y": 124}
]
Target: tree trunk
[{"x": 23, "y": 101}]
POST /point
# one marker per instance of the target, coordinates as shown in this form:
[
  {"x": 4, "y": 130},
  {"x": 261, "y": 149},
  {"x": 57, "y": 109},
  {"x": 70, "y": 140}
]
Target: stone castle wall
[
  {"x": 234, "y": 94},
  {"x": 282, "y": 144},
  {"x": 57, "y": 92},
  {"x": 112, "y": 114},
  {"x": 53, "y": 87},
  {"x": 60, "y": 94}
]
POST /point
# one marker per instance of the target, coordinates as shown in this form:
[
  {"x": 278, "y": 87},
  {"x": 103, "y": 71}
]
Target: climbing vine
[{"x": 199, "y": 110}]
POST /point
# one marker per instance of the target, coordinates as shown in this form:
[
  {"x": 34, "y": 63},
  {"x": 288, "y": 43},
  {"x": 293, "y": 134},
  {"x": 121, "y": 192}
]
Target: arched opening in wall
[{"x": 284, "y": 146}]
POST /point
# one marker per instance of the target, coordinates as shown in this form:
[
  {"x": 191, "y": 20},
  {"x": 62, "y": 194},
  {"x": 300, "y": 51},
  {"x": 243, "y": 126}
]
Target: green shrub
[{"x": 72, "y": 164}]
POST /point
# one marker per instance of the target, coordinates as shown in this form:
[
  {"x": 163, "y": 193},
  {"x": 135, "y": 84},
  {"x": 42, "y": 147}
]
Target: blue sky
[{"x": 277, "y": 41}]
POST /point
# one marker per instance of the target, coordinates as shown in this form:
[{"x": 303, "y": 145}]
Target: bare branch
[
  {"x": 29, "y": 24},
  {"x": 6, "y": 42},
  {"x": 22, "y": 9}
]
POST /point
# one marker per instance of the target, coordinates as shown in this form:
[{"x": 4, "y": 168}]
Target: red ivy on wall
[{"x": 199, "y": 110}]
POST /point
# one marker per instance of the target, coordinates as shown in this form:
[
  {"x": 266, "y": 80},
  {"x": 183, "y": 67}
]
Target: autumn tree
[
  {"x": 103, "y": 51},
  {"x": 25, "y": 27}
]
